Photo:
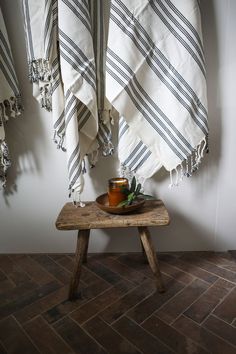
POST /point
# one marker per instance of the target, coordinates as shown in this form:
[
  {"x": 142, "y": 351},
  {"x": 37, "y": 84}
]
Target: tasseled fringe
[
  {"x": 46, "y": 97},
  {"x": 59, "y": 140},
  {"x": 5, "y": 162},
  {"x": 93, "y": 158},
  {"x": 190, "y": 165},
  {"x": 10, "y": 108},
  {"x": 40, "y": 72},
  {"x": 108, "y": 148},
  {"x": 126, "y": 172},
  {"x": 76, "y": 197},
  {"x": 105, "y": 121}
]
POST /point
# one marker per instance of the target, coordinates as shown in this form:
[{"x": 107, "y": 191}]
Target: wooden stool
[{"x": 153, "y": 213}]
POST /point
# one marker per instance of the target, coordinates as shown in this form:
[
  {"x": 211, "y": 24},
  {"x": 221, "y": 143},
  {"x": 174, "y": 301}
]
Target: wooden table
[{"x": 153, "y": 213}]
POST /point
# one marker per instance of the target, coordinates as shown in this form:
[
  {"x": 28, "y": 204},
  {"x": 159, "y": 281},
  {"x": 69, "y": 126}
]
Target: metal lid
[{"x": 117, "y": 182}]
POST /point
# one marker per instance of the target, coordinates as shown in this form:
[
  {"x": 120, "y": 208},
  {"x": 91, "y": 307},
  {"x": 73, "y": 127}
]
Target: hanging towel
[
  {"x": 65, "y": 46},
  {"x": 156, "y": 81},
  {"x": 10, "y": 100}
]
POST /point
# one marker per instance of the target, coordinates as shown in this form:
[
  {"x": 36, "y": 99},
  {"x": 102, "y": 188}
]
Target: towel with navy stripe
[{"x": 10, "y": 99}]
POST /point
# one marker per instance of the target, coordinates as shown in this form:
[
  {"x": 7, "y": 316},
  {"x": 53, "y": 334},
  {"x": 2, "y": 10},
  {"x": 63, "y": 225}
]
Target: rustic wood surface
[
  {"x": 151, "y": 256},
  {"x": 153, "y": 213},
  {"x": 80, "y": 257}
]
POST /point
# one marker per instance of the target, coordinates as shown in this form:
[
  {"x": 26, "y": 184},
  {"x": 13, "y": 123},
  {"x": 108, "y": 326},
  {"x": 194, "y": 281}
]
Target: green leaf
[
  {"x": 133, "y": 184},
  {"x": 146, "y": 196},
  {"x": 123, "y": 203},
  {"x": 138, "y": 189},
  {"x": 131, "y": 196}
]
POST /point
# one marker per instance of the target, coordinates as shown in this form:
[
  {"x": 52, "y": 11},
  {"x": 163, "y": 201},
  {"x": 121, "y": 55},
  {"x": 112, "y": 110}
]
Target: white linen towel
[
  {"x": 156, "y": 81},
  {"x": 66, "y": 63},
  {"x": 10, "y": 100}
]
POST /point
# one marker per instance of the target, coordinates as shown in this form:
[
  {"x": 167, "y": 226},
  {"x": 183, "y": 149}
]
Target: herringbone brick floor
[{"x": 118, "y": 309}]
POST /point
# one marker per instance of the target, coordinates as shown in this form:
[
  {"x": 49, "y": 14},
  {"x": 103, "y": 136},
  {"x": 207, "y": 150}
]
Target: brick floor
[{"x": 118, "y": 309}]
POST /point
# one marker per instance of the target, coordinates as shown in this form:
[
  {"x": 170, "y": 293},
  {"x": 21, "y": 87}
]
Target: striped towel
[
  {"x": 10, "y": 101},
  {"x": 156, "y": 81},
  {"x": 65, "y": 47}
]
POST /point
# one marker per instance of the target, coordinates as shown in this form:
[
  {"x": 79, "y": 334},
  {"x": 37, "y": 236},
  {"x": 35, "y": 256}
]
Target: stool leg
[
  {"x": 82, "y": 244},
  {"x": 151, "y": 256},
  {"x": 144, "y": 253},
  {"x": 86, "y": 250}
]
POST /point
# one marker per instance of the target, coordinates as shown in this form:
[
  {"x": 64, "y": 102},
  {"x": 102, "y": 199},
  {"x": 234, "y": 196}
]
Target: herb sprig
[{"x": 133, "y": 193}]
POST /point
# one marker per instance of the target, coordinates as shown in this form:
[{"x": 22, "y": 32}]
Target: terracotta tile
[
  {"x": 77, "y": 338},
  {"x": 142, "y": 339},
  {"x": 108, "y": 337},
  {"x": 12, "y": 270},
  {"x": 2, "y": 349},
  {"x": 53, "y": 268},
  {"x": 65, "y": 307},
  {"x": 103, "y": 272},
  {"x": 14, "y": 338},
  {"x": 26, "y": 299},
  {"x": 210, "y": 267},
  {"x": 221, "y": 260},
  {"x": 5, "y": 286},
  {"x": 42, "y": 305},
  {"x": 176, "y": 273},
  {"x": 2, "y": 276},
  {"x": 33, "y": 269},
  {"x": 221, "y": 329},
  {"x": 99, "y": 303},
  {"x": 87, "y": 277},
  {"x": 134, "y": 261},
  {"x": 154, "y": 301},
  {"x": 48, "y": 342},
  {"x": 118, "y": 308},
  {"x": 202, "y": 307},
  {"x": 194, "y": 270},
  {"x": 202, "y": 336},
  {"x": 227, "y": 309},
  {"x": 167, "y": 334},
  {"x": 13, "y": 293},
  {"x": 177, "y": 305},
  {"x": 123, "y": 270}
]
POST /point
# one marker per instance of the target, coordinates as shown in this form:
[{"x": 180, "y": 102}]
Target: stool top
[{"x": 153, "y": 213}]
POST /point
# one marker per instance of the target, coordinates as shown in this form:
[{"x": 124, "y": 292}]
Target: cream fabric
[
  {"x": 10, "y": 101},
  {"x": 156, "y": 81}
]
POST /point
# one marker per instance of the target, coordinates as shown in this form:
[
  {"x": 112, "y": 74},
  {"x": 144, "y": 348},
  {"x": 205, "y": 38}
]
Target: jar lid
[{"x": 117, "y": 182}]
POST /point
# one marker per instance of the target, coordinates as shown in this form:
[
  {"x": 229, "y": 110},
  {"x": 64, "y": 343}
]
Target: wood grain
[{"x": 153, "y": 213}]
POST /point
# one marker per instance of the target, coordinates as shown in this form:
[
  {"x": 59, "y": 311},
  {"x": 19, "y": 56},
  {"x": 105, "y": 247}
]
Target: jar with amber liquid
[{"x": 115, "y": 187}]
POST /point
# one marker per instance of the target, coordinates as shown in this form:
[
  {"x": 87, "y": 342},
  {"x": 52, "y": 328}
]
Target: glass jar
[{"x": 115, "y": 187}]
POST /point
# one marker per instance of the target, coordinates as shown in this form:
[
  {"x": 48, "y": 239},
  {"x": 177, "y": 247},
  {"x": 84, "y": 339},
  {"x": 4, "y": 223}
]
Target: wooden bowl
[{"x": 103, "y": 203}]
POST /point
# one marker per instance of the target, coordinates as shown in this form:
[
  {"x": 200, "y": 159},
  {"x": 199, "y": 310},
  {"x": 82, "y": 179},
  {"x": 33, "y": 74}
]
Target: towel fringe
[
  {"x": 11, "y": 107},
  {"x": 105, "y": 121},
  {"x": 190, "y": 165},
  {"x": 59, "y": 140},
  {"x": 75, "y": 193},
  {"x": 126, "y": 172},
  {"x": 40, "y": 72},
  {"x": 5, "y": 162},
  {"x": 46, "y": 96}
]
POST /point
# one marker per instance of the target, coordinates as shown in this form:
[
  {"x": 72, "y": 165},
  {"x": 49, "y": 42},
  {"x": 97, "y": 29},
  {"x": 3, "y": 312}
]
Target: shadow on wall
[
  {"x": 210, "y": 41},
  {"x": 24, "y": 132},
  {"x": 192, "y": 237}
]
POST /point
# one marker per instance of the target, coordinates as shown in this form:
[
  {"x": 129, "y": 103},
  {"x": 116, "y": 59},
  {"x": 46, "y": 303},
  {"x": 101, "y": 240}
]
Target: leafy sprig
[{"x": 133, "y": 193}]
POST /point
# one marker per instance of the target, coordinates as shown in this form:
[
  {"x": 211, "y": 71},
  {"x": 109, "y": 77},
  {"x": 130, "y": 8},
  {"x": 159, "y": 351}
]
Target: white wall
[{"x": 202, "y": 209}]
